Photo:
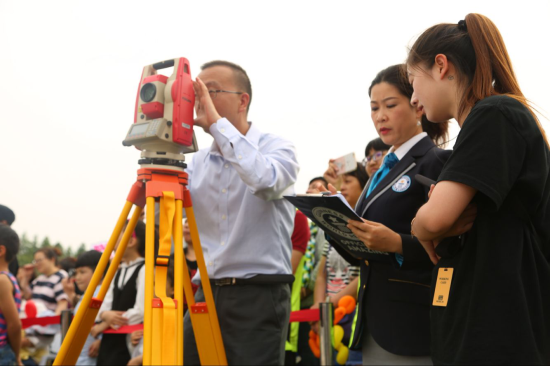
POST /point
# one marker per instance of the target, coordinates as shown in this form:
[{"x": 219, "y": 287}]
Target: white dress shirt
[
  {"x": 237, "y": 186},
  {"x": 404, "y": 149},
  {"x": 134, "y": 314}
]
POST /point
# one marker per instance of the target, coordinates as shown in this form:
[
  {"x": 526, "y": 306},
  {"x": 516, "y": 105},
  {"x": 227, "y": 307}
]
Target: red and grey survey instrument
[{"x": 163, "y": 119}]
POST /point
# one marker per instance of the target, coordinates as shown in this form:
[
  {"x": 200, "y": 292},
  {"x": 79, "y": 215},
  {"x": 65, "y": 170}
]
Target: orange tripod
[{"x": 163, "y": 318}]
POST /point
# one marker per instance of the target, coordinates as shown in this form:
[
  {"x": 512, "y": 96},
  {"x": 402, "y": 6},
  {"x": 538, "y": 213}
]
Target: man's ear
[
  {"x": 2, "y": 251},
  {"x": 244, "y": 102},
  {"x": 441, "y": 66}
]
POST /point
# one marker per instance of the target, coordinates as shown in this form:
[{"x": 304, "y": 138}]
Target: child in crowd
[
  {"x": 84, "y": 269},
  {"x": 10, "y": 300},
  {"x": 124, "y": 302}
]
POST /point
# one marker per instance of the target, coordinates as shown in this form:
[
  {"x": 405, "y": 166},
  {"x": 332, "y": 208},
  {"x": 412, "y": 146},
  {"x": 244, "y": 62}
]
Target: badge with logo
[
  {"x": 334, "y": 221},
  {"x": 402, "y": 184}
]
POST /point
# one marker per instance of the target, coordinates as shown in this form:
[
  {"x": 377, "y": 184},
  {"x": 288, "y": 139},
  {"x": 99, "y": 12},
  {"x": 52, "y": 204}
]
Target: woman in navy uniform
[{"x": 392, "y": 320}]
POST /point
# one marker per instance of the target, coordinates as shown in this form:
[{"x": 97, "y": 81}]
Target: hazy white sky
[{"x": 71, "y": 71}]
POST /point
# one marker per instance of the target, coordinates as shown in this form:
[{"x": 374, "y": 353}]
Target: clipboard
[{"x": 331, "y": 213}]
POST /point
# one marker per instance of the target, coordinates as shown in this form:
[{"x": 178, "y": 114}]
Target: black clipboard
[{"x": 331, "y": 213}]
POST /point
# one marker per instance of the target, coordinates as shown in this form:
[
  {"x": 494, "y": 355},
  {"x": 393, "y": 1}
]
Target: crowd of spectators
[{"x": 486, "y": 221}]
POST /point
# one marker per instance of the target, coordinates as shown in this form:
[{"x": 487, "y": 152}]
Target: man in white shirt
[{"x": 245, "y": 224}]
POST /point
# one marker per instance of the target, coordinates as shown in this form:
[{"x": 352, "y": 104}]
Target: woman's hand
[
  {"x": 376, "y": 236},
  {"x": 331, "y": 175},
  {"x": 204, "y": 107},
  {"x": 429, "y": 246}
]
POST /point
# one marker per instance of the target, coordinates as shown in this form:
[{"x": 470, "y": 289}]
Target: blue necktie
[{"x": 389, "y": 162}]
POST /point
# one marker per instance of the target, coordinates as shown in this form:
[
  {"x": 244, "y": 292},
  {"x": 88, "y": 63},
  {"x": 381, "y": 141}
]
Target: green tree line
[{"x": 28, "y": 247}]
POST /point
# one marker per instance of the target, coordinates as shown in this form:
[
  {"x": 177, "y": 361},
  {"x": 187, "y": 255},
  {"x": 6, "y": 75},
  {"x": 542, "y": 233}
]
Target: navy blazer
[{"x": 394, "y": 301}]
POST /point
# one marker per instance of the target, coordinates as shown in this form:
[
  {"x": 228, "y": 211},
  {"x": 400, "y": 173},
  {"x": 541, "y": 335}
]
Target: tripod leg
[
  {"x": 178, "y": 275},
  {"x": 149, "y": 280},
  {"x": 87, "y": 312},
  {"x": 205, "y": 354}
]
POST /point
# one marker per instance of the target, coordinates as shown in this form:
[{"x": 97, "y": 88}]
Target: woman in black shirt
[{"x": 497, "y": 309}]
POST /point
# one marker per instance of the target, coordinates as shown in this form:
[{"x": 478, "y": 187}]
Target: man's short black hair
[
  {"x": 88, "y": 259},
  {"x": 241, "y": 77},
  {"x": 6, "y": 214},
  {"x": 10, "y": 240}
]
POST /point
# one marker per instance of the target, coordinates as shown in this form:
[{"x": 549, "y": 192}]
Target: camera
[{"x": 163, "y": 118}]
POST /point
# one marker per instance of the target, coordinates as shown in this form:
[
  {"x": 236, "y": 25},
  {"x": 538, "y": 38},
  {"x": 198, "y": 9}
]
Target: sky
[{"x": 71, "y": 71}]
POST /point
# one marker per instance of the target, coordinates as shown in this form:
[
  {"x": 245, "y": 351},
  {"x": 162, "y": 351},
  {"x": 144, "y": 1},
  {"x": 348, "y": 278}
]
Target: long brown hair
[
  {"x": 477, "y": 50},
  {"x": 396, "y": 75}
]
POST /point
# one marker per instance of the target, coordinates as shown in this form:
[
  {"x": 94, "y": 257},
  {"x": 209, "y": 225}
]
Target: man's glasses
[
  {"x": 214, "y": 93},
  {"x": 374, "y": 157}
]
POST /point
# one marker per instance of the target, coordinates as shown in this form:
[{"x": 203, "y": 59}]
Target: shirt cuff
[{"x": 224, "y": 131}]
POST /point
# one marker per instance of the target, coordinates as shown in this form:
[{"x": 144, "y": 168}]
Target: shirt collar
[
  {"x": 253, "y": 135},
  {"x": 132, "y": 263},
  {"x": 404, "y": 149}
]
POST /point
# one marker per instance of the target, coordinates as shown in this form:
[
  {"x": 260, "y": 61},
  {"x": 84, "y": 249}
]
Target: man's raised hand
[{"x": 204, "y": 106}]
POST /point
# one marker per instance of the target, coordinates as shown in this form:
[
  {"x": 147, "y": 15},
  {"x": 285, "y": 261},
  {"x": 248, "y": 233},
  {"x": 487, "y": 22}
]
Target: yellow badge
[{"x": 443, "y": 286}]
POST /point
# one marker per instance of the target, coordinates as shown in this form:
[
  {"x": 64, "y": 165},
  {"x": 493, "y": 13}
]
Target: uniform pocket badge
[{"x": 402, "y": 184}]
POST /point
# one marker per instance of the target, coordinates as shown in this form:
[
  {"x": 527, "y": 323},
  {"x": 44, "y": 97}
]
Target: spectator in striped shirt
[
  {"x": 10, "y": 300},
  {"x": 47, "y": 288}
]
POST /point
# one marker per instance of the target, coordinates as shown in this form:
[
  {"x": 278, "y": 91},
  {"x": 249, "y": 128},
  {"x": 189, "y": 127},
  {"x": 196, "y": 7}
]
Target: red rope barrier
[
  {"x": 43, "y": 321},
  {"x": 125, "y": 329},
  {"x": 309, "y": 315}
]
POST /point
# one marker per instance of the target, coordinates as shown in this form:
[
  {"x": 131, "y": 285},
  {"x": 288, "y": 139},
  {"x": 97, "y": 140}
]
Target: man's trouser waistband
[{"x": 261, "y": 279}]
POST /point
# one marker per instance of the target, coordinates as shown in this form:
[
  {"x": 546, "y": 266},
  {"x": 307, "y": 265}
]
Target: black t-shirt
[{"x": 499, "y": 303}]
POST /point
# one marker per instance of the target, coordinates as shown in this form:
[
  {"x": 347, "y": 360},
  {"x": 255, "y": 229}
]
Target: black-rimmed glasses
[{"x": 214, "y": 93}]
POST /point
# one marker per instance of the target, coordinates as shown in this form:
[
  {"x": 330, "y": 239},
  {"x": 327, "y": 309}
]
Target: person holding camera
[{"x": 245, "y": 225}]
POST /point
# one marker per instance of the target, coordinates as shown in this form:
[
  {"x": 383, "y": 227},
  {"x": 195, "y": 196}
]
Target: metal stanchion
[
  {"x": 66, "y": 317},
  {"x": 325, "y": 312}
]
